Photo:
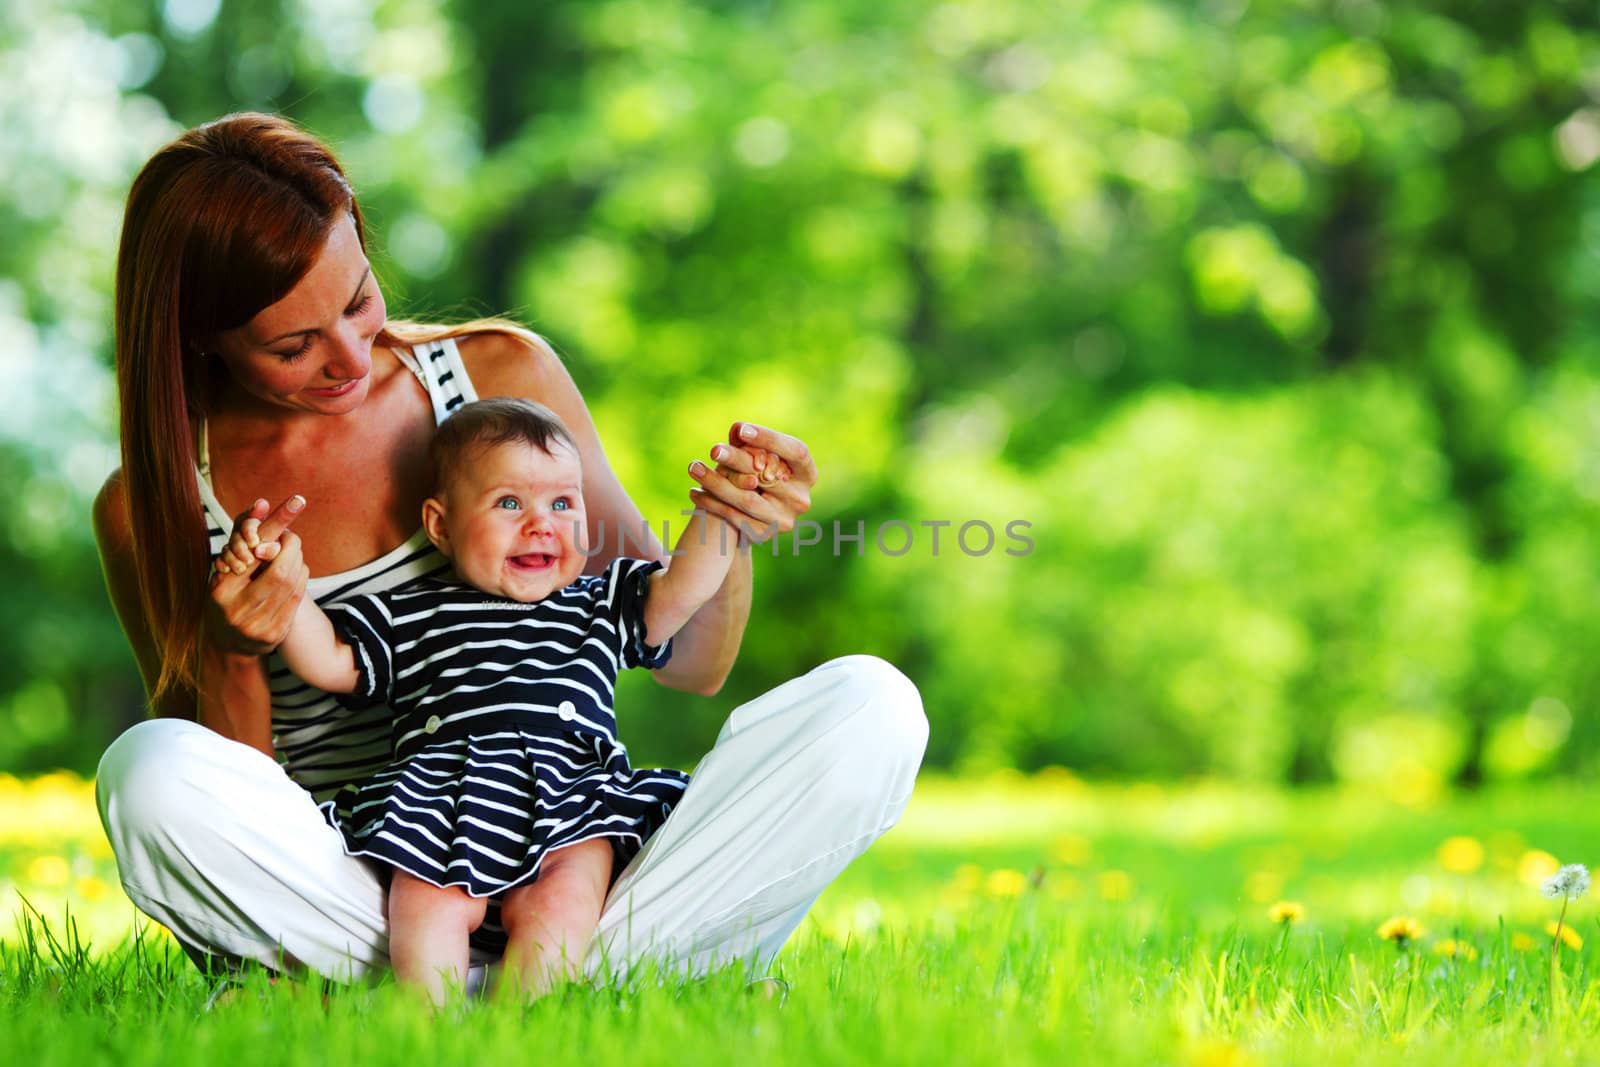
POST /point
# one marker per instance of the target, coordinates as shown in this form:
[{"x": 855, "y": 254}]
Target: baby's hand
[
  {"x": 245, "y": 551},
  {"x": 749, "y": 467}
]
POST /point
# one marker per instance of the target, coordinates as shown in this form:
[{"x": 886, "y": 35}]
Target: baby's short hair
[{"x": 499, "y": 420}]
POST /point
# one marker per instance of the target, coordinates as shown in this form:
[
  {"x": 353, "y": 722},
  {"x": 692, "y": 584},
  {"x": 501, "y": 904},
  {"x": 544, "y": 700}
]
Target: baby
[{"x": 508, "y": 779}]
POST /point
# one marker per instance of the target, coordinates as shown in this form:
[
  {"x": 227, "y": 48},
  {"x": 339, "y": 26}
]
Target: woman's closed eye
[
  {"x": 305, "y": 346},
  {"x": 290, "y": 357}
]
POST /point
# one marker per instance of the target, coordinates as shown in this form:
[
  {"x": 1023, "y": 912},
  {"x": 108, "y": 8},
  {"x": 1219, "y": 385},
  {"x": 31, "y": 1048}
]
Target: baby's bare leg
[
  {"x": 428, "y": 928},
  {"x": 550, "y": 922}
]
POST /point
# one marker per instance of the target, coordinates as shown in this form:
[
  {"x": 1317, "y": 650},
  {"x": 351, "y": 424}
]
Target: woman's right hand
[{"x": 249, "y": 614}]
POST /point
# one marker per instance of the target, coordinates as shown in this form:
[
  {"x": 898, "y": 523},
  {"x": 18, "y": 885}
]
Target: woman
[{"x": 255, "y": 360}]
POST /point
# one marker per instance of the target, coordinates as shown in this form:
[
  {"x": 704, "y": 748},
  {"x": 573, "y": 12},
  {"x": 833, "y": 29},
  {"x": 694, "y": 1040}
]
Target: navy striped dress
[{"x": 505, "y": 739}]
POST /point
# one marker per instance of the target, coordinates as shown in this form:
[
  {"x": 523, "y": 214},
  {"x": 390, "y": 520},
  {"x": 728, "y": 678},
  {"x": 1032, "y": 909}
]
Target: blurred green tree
[{"x": 1270, "y": 318}]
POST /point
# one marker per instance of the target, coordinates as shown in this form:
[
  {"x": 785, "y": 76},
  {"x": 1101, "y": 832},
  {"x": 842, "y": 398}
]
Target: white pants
[{"x": 214, "y": 841}]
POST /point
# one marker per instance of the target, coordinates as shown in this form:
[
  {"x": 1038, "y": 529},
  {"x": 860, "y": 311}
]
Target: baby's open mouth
[{"x": 533, "y": 561}]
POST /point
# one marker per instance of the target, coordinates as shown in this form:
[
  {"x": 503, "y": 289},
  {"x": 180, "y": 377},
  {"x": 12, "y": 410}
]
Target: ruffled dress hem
[{"x": 485, "y": 890}]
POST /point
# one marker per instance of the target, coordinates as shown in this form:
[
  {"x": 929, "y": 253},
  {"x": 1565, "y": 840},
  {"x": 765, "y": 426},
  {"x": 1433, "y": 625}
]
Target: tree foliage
[{"x": 1270, "y": 319}]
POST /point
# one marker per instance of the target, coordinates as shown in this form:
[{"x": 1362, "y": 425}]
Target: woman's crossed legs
[{"x": 216, "y": 842}]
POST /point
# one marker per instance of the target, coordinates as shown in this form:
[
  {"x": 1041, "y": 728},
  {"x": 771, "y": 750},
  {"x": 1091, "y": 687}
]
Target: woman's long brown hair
[{"x": 220, "y": 224}]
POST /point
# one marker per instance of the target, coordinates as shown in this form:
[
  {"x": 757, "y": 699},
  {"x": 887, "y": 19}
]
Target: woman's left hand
[{"x": 747, "y": 490}]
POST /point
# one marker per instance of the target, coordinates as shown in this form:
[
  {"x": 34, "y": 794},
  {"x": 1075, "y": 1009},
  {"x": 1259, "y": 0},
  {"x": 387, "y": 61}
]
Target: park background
[{"x": 1273, "y": 321}]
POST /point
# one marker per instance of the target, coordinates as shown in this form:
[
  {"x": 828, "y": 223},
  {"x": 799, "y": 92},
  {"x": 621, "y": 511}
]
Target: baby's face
[{"x": 512, "y": 520}]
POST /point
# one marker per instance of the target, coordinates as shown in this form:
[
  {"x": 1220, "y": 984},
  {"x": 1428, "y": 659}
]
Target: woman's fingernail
[
  {"x": 747, "y": 432},
  {"x": 296, "y": 502},
  {"x": 719, "y": 453},
  {"x": 697, "y": 468}
]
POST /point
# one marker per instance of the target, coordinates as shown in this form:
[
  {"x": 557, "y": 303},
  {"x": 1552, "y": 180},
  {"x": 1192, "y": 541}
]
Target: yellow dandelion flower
[
  {"x": 1216, "y": 1052},
  {"x": 1400, "y": 929},
  {"x": 1569, "y": 936},
  {"x": 1536, "y": 865},
  {"x": 1461, "y": 855},
  {"x": 969, "y": 876},
  {"x": 49, "y": 871},
  {"x": 1455, "y": 949},
  {"x": 1287, "y": 911},
  {"x": 1071, "y": 850},
  {"x": 1262, "y": 886},
  {"x": 1006, "y": 883},
  {"x": 92, "y": 888},
  {"x": 1521, "y": 942},
  {"x": 1115, "y": 885}
]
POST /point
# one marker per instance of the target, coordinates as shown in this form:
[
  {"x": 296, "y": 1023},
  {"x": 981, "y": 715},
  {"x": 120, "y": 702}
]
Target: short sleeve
[
  {"x": 625, "y": 585},
  {"x": 365, "y": 624}
]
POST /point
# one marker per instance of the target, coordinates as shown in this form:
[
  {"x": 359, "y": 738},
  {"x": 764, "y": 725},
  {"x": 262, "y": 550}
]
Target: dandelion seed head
[{"x": 1569, "y": 882}]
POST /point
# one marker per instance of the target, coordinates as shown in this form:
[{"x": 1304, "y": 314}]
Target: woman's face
[{"x": 312, "y": 350}]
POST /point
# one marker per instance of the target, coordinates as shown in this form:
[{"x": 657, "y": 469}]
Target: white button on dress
[
  {"x": 432, "y": 725},
  {"x": 567, "y": 710}
]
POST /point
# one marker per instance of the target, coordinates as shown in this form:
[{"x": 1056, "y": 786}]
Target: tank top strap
[
  {"x": 438, "y": 365},
  {"x": 219, "y": 524}
]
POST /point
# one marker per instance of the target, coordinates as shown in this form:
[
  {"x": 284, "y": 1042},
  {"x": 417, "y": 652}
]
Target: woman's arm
[
  {"x": 707, "y": 645},
  {"x": 235, "y": 699}
]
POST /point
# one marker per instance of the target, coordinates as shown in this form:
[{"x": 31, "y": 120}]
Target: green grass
[{"x": 1017, "y": 920}]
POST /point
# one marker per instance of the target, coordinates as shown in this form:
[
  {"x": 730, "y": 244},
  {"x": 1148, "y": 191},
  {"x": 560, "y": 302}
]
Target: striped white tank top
[{"x": 322, "y": 745}]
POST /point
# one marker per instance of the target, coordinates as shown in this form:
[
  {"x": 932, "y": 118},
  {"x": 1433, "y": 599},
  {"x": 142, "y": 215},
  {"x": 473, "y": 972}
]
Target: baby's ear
[{"x": 433, "y": 523}]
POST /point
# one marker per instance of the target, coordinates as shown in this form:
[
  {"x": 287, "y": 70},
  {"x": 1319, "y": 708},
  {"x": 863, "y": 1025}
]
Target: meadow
[{"x": 1029, "y": 919}]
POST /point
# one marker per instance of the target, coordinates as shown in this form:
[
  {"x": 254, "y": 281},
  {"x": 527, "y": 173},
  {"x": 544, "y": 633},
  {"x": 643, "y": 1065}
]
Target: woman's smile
[{"x": 329, "y": 392}]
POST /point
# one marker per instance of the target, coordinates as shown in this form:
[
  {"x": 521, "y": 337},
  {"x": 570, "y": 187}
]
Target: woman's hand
[
  {"x": 762, "y": 481},
  {"x": 250, "y": 611},
  {"x": 749, "y": 467}
]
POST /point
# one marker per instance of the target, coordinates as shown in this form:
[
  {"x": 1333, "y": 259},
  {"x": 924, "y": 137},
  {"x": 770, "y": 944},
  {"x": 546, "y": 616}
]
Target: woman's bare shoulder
[
  {"x": 112, "y": 529},
  {"x": 511, "y": 364}
]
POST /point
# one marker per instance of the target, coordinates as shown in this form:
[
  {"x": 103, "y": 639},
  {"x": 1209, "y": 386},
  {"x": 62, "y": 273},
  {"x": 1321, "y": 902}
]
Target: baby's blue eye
[
  {"x": 510, "y": 503},
  {"x": 560, "y": 505}
]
